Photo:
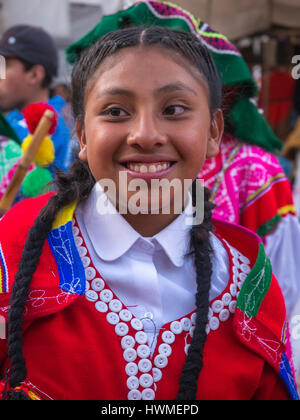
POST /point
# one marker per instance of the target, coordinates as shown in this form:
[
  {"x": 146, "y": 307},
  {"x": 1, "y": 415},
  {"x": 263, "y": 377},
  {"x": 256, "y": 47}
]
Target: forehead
[{"x": 150, "y": 66}]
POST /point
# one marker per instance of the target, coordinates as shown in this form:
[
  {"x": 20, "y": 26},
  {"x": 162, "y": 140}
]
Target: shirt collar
[{"x": 112, "y": 236}]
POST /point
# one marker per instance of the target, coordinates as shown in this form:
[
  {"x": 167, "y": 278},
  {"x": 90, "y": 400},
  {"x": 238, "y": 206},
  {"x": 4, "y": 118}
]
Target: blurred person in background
[{"x": 31, "y": 64}]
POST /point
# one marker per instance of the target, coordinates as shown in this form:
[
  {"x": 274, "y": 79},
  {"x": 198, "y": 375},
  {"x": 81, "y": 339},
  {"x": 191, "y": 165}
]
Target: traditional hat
[{"x": 247, "y": 123}]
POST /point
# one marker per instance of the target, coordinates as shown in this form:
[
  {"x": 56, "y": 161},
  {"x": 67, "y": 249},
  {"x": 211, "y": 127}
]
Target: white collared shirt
[{"x": 153, "y": 277}]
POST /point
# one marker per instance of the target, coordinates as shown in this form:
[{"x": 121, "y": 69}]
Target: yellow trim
[
  {"x": 264, "y": 187},
  {"x": 287, "y": 209},
  {"x": 64, "y": 216}
]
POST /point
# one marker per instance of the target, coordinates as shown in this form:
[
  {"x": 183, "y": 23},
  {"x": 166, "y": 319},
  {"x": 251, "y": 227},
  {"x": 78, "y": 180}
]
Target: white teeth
[{"x": 148, "y": 168}]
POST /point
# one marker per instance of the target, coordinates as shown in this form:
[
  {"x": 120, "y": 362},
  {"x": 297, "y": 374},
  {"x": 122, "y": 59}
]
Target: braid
[
  {"x": 74, "y": 186},
  {"x": 200, "y": 243}
]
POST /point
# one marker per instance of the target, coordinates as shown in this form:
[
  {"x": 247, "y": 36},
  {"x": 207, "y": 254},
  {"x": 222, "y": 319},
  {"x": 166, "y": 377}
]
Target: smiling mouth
[{"x": 148, "y": 168}]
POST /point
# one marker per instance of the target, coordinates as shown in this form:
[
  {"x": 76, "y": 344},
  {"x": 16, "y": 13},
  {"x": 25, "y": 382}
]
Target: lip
[{"x": 147, "y": 159}]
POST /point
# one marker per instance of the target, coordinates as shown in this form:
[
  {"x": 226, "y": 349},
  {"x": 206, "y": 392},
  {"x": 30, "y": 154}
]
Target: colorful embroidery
[
  {"x": 61, "y": 242},
  {"x": 3, "y": 273},
  {"x": 256, "y": 285}
]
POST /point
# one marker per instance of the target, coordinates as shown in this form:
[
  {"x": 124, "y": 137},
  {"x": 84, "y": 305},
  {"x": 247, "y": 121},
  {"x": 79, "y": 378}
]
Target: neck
[
  {"x": 42, "y": 95},
  {"x": 149, "y": 225}
]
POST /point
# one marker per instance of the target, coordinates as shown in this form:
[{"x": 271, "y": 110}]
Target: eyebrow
[{"x": 172, "y": 87}]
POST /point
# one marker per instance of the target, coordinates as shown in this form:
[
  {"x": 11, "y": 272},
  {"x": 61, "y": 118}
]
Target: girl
[
  {"x": 248, "y": 185},
  {"x": 141, "y": 306}
]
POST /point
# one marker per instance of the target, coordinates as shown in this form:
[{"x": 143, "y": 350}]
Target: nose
[{"x": 146, "y": 132}]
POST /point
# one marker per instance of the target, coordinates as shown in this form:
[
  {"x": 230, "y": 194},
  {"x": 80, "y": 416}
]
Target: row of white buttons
[{"x": 103, "y": 299}]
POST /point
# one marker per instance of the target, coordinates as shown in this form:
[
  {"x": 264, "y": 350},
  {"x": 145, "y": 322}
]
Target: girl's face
[{"x": 147, "y": 117}]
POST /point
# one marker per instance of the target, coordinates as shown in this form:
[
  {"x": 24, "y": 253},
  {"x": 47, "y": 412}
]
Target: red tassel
[{"x": 34, "y": 112}]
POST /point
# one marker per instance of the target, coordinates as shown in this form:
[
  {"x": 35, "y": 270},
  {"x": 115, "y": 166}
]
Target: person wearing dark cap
[{"x": 31, "y": 64}]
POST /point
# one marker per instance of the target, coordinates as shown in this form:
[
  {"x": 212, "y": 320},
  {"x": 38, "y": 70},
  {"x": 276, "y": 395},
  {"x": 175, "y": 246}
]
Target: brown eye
[
  {"x": 175, "y": 110},
  {"x": 115, "y": 112}
]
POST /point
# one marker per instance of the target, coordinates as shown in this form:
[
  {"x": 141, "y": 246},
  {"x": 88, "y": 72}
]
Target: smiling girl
[{"x": 139, "y": 306}]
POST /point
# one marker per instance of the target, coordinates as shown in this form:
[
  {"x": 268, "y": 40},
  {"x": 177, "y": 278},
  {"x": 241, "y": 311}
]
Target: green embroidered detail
[
  {"x": 256, "y": 285},
  {"x": 267, "y": 227}
]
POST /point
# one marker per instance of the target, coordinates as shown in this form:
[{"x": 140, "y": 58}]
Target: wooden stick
[{"x": 27, "y": 159}]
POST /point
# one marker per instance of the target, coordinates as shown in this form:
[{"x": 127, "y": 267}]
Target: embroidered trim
[
  {"x": 142, "y": 372},
  {"x": 3, "y": 273}
]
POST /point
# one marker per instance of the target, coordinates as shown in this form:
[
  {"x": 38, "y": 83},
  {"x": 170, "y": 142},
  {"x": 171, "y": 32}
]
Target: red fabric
[
  {"x": 281, "y": 94},
  {"x": 266, "y": 207},
  {"x": 74, "y": 353}
]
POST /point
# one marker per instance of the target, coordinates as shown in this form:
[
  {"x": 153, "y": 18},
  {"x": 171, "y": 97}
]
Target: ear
[
  {"x": 216, "y": 134},
  {"x": 79, "y": 128},
  {"x": 36, "y": 75}
]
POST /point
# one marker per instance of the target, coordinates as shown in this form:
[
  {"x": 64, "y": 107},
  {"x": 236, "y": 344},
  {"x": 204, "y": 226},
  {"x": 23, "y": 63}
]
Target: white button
[
  {"x": 245, "y": 268},
  {"x": 141, "y": 337},
  {"x": 115, "y": 305},
  {"x": 101, "y": 306},
  {"x": 242, "y": 276},
  {"x": 78, "y": 241},
  {"x": 91, "y": 296},
  {"x": 168, "y": 337},
  {"x": 157, "y": 375},
  {"x": 176, "y": 327},
  {"x": 146, "y": 246},
  {"x": 97, "y": 285},
  {"x": 194, "y": 318},
  {"x": 217, "y": 306},
  {"x": 125, "y": 315},
  {"x": 106, "y": 295},
  {"x": 232, "y": 306},
  {"x": 131, "y": 369},
  {"x": 113, "y": 318},
  {"x": 148, "y": 394},
  {"x": 90, "y": 273},
  {"x": 244, "y": 259},
  {"x": 165, "y": 349},
  {"x": 136, "y": 324},
  {"x": 234, "y": 252},
  {"x": 82, "y": 251},
  {"x": 75, "y": 231},
  {"x": 148, "y": 315},
  {"x": 146, "y": 380},
  {"x": 224, "y": 315},
  {"x": 160, "y": 361},
  {"x": 85, "y": 261},
  {"x": 186, "y": 324},
  {"x": 233, "y": 290},
  {"x": 121, "y": 329},
  {"x": 127, "y": 342},
  {"x": 134, "y": 394},
  {"x": 143, "y": 351},
  {"x": 235, "y": 270},
  {"x": 226, "y": 299},
  {"x": 133, "y": 382},
  {"x": 145, "y": 365},
  {"x": 214, "y": 323},
  {"x": 192, "y": 329},
  {"x": 186, "y": 348},
  {"x": 87, "y": 286},
  {"x": 129, "y": 355}
]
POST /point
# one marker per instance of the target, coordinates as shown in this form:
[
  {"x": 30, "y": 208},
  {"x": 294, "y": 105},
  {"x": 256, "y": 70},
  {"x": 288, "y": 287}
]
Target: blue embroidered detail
[
  {"x": 70, "y": 267},
  {"x": 288, "y": 378}
]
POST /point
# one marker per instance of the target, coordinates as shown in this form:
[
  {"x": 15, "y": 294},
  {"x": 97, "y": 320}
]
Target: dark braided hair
[{"x": 77, "y": 184}]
